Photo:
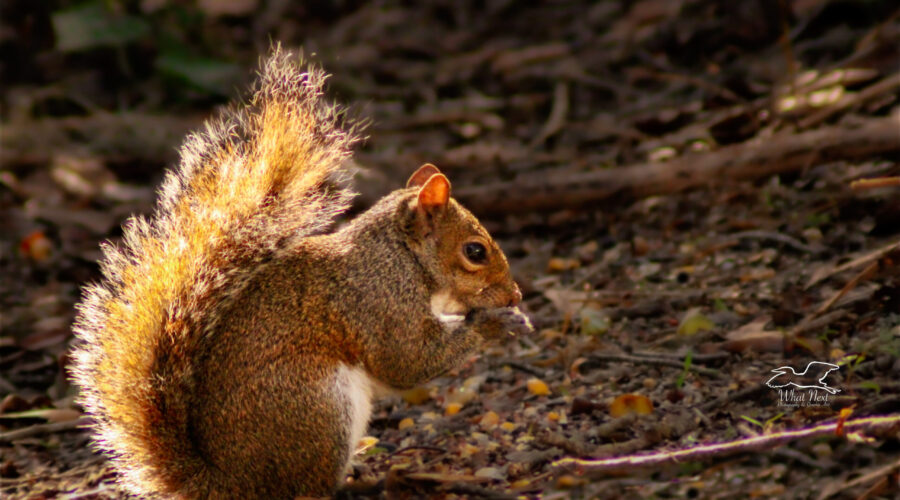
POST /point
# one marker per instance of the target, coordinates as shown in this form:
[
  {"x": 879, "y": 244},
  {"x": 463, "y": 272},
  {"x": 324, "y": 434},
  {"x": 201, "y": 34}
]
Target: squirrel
[{"x": 234, "y": 342}]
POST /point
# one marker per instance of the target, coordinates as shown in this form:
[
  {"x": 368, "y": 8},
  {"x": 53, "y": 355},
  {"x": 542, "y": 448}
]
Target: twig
[
  {"x": 708, "y": 451},
  {"x": 474, "y": 491},
  {"x": 865, "y": 274},
  {"x": 780, "y": 238},
  {"x": 570, "y": 446},
  {"x": 866, "y": 258},
  {"x": 558, "y": 113},
  {"x": 877, "y": 182},
  {"x": 40, "y": 429},
  {"x": 630, "y": 446},
  {"x": 865, "y": 478},
  {"x": 419, "y": 447},
  {"x": 816, "y": 321},
  {"x": 522, "y": 367},
  {"x": 733, "y": 396},
  {"x": 695, "y": 358},
  {"x": 801, "y": 457},
  {"x": 625, "y": 358}
]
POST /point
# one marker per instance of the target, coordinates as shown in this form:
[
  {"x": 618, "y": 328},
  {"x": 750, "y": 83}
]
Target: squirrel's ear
[
  {"x": 435, "y": 193},
  {"x": 421, "y": 176}
]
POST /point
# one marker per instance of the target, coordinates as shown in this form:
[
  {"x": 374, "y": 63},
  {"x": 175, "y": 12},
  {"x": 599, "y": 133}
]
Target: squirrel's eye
[{"x": 475, "y": 252}]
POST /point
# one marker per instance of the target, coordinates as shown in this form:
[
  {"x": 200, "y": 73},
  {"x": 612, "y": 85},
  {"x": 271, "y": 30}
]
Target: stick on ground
[{"x": 707, "y": 451}]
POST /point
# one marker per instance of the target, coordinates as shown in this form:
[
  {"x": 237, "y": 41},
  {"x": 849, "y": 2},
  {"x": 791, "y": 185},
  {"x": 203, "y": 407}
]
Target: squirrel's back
[{"x": 249, "y": 187}]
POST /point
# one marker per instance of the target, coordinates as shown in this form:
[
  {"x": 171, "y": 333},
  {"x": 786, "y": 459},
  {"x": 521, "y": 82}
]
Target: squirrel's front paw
[{"x": 493, "y": 323}]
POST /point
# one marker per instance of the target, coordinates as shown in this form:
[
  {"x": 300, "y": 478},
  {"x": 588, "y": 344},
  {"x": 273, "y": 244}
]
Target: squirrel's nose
[{"x": 517, "y": 296}]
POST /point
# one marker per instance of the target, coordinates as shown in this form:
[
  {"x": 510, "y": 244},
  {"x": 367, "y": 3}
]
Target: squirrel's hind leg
[{"x": 288, "y": 435}]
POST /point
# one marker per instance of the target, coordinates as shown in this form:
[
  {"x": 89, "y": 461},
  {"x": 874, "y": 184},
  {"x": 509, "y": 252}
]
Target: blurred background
[{"x": 661, "y": 173}]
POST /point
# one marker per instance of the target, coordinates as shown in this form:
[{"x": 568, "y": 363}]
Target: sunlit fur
[{"x": 249, "y": 187}]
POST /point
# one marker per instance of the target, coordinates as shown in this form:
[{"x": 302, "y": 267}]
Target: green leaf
[
  {"x": 693, "y": 322},
  {"x": 688, "y": 360},
  {"x": 91, "y": 25},
  {"x": 206, "y": 74},
  {"x": 752, "y": 421},
  {"x": 873, "y": 386}
]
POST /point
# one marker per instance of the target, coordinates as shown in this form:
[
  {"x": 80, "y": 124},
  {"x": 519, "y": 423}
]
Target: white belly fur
[
  {"x": 446, "y": 308},
  {"x": 356, "y": 388}
]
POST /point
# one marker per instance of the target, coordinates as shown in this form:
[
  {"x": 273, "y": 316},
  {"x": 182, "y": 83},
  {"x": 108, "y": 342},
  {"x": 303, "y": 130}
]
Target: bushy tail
[{"x": 249, "y": 186}]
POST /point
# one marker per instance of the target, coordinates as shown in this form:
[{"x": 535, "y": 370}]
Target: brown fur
[{"x": 211, "y": 354}]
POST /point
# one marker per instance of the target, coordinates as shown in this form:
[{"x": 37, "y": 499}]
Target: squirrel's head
[{"x": 470, "y": 269}]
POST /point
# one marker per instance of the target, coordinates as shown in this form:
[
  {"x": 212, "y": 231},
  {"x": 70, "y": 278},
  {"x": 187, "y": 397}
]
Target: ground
[{"x": 691, "y": 195}]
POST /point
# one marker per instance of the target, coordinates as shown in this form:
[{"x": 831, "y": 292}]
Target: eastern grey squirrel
[{"x": 233, "y": 344}]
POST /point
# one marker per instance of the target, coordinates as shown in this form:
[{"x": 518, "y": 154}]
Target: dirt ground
[{"x": 694, "y": 196}]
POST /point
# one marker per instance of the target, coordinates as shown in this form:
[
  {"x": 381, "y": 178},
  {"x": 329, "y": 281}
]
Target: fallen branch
[
  {"x": 599, "y": 359},
  {"x": 718, "y": 450},
  {"x": 886, "y": 86},
  {"x": 784, "y": 152},
  {"x": 128, "y": 136}
]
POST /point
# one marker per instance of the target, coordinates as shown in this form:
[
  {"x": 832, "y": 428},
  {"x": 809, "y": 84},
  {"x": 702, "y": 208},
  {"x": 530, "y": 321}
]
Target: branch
[
  {"x": 761, "y": 157},
  {"x": 708, "y": 451}
]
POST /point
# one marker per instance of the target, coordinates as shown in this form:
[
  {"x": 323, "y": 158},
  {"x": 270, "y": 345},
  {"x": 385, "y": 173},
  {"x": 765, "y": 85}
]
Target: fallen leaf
[
  {"x": 537, "y": 387},
  {"x": 36, "y": 246},
  {"x": 568, "y": 481},
  {"x": 467, "y": 391},
  {"x": 452, "y": 409},
  {"x": 568, "y": 302},
  {"x": 630, "y": 403},
  {"x": 489, "y": 419},
  {"x": 416, "y": 395},
  {"x": 559, "y": 264},
  {"x": 754, "y": 337},
  {"x": 491, "y": 473}
]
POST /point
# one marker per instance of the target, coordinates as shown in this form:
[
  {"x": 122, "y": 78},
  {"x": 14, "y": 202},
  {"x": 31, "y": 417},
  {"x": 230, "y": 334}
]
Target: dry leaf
[
  {"x": 630, "y": 403},
  {"x": 538, "y": 387},
  {"x": 754, "y": 337},
  {"x": 452, "y": 409},
  {"x": 489, "y": 419}
]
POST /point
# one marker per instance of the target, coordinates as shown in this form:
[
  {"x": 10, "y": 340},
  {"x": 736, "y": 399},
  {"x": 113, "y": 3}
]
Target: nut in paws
[{"x": 512, "y": 320}]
